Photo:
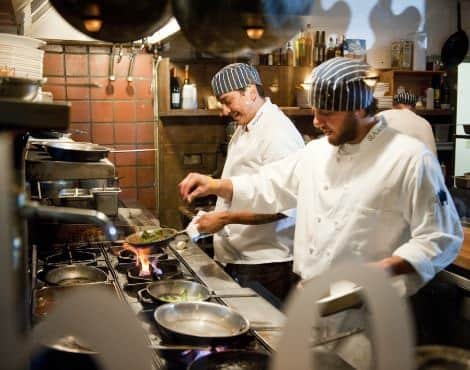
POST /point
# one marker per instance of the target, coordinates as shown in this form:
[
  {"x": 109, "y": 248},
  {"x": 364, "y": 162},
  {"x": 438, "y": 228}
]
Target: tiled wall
[{"x": 115, "y": 114}]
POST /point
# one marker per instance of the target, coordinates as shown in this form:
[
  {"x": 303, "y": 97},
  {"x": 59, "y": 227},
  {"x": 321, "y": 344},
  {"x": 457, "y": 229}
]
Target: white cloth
[
  {"x": 269, "y": 136},
  {"x": 383, "y": 196},
  {"x": 409, "y": 123}
]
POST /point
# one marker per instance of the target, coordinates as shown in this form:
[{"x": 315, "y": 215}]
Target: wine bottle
[
  {"x": 316, "y": 49},
  {"x": 175, "y": 91},
  {"x": 309, "y": 46},
  {"x": 186, "y": 75}
]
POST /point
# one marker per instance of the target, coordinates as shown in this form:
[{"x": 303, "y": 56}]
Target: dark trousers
[{"x": 277, "y": 277}]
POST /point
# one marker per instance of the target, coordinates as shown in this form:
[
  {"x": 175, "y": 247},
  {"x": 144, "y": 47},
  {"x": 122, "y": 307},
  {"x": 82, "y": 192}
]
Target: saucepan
[
  {"x": 180, "y": 290},
  {"x": 19, "y": 88},
  {"x": 76, "y": 151},
  {"x": 75, "y": 274},
  {"x": 200, "y": 323}
]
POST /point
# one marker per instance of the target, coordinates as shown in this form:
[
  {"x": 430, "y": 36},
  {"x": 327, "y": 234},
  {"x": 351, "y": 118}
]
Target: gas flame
[{"x": 142, "y": 259}]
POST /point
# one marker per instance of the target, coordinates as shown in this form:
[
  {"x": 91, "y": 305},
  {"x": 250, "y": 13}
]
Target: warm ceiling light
[
  {"x": 254, "y": 32},
  {"x": 92, "y": 17},
  {"x": 93, "y": 24}
]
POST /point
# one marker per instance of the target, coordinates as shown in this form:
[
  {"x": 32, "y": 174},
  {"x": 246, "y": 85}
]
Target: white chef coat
[
  {"x": 409, "y": 123},
  {"x": 268, "y": 137},
  {"x": 384, "y": 196}
]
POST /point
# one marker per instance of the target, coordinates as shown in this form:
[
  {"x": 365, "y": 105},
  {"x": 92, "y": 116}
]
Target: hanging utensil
[
  {"x": 130, "y": 72},
  {"x": 111, "y": 76},
  {"x": 456, "y": 46}
]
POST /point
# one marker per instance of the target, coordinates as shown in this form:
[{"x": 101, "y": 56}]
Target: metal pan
[
  {"x": 199, "y": 323},
  {"x": 236, "y": 359},
  {"x": 189, "y": 291},
  {"x": 137, "y": 241},
  {"x": 74, "y": 275},
  {"x": 77, "y": 151}
]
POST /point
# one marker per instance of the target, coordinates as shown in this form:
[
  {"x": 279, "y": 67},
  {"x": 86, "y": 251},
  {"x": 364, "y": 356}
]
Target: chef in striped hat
[
  {"x": 363, "y": 191},
  {"x": 403, "y": 119},
  {"x": 254, "y": 248}
]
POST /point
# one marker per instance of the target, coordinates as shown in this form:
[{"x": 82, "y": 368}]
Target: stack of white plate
[
  {"x": 381, "y": 88},
  {"x": 21, "y": 55},
  {"x": 384, "y": 102}
]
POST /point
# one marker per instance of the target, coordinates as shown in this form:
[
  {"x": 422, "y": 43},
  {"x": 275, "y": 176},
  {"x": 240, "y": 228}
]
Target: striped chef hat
[
  {"x": 234, "y": 77},
  {"x": 405, "y": 98},
  {"x": 338, "y": 85}
]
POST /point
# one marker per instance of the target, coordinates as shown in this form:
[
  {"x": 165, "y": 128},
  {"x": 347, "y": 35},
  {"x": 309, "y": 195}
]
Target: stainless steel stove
[{"x": 189, "y": 263}]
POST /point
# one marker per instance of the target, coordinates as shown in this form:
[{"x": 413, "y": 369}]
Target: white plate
[{"x": 11, "y": 39}]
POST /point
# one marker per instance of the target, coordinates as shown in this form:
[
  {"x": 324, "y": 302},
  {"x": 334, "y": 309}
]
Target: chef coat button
[
  {"x": 318, "y": 219},
  {"x": 310, "y": 250},
  {"x": 325, "y": 187},
  {"x": 337, "y": 159}
]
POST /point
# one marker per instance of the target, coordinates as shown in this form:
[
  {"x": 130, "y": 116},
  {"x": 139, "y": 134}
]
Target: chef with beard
[{"x": 363, "y": 191}]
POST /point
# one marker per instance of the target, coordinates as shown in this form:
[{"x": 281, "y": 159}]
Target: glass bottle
[
  {"x": 445, "y": 93},
  {"x": 309, "y": 46},
  {"x": 186, "y": 75},
  {"x": 330, "y": 51},
  {"x": 322, "y": 47},
  {"x": 290, "y": 56},
  {"x": 300, "y": 49},
  {"x": 436, "y": 85},
  {"x": 175, "y": 91},
  {"x": 316, "y": 49}
]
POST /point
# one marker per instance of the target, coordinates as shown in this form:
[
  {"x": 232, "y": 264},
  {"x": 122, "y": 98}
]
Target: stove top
[{"x": 124, "y": 279}]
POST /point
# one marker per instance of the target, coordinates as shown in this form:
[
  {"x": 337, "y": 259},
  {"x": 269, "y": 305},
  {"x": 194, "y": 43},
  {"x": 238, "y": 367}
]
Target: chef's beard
[{"x": 348, "y": 131}]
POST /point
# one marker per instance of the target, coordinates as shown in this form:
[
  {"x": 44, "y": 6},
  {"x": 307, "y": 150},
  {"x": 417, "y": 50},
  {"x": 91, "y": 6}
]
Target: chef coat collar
[
  {"x": 350, "y": 149},
  {"x": 258, "y": 115}
]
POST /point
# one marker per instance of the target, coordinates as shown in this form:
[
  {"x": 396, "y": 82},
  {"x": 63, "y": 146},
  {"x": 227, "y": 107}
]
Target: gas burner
[
  {"x": 127, "y": 256},
  {"x": 70, "y": 257},
  {"x": 183, "y": 359},
  {"x": 165, "y": 269}
]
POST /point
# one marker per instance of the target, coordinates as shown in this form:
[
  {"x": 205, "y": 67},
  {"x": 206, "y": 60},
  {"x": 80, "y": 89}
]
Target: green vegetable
[
  {"x": 182, "y": 297},
  {"x": 156, "y": 235}
]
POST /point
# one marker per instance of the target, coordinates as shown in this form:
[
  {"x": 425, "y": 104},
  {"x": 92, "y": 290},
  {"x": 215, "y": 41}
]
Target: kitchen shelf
[
  {"x": 462, "y": 137},
  {"x": 289, "y": 111}
]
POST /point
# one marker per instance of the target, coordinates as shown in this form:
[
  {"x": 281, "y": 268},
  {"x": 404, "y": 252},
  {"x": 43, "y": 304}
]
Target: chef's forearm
[
  {"x": 250, "y": 218},
  {"x": 396, "y": 265},
  {"x": 223, "y": 188}
]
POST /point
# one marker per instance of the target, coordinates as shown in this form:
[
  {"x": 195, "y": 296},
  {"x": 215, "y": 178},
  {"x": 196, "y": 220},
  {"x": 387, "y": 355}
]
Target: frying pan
[
  {"x": 456, "y": 46},
  {"x": 193, "y": 291},
  {"x": 136, "y": 238},
  {"x": 236, "y": 359},
  {"x": 200, "y": 323},
  {"x": 75, "y": 274},
  {"x": 77, "y": 151}
]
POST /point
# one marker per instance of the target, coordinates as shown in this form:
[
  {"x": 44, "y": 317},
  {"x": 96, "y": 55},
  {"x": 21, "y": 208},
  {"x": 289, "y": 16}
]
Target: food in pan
[
  {"x": 181, "y": 297},
  {"x": 152, "y": 236}
]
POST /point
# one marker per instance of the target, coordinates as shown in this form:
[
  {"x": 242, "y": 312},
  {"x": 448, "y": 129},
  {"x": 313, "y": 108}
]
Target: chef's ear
[
  {"x": 360, "y": 113},
  {"x": 252, "y": 92}
]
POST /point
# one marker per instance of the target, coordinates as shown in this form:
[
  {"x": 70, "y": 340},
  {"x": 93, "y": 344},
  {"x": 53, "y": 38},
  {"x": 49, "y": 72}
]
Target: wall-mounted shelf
[{"x": 289, "y": 111}]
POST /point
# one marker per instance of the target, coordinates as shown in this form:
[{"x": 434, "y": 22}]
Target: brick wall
[{"x": 115, "y": 114}]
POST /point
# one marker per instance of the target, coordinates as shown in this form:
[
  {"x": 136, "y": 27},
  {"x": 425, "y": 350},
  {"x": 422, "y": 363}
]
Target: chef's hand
[
  {"x": 196, "y": 185},
  {"x": 211, "y": 222},
  {"x": 395, "y": 265}
]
